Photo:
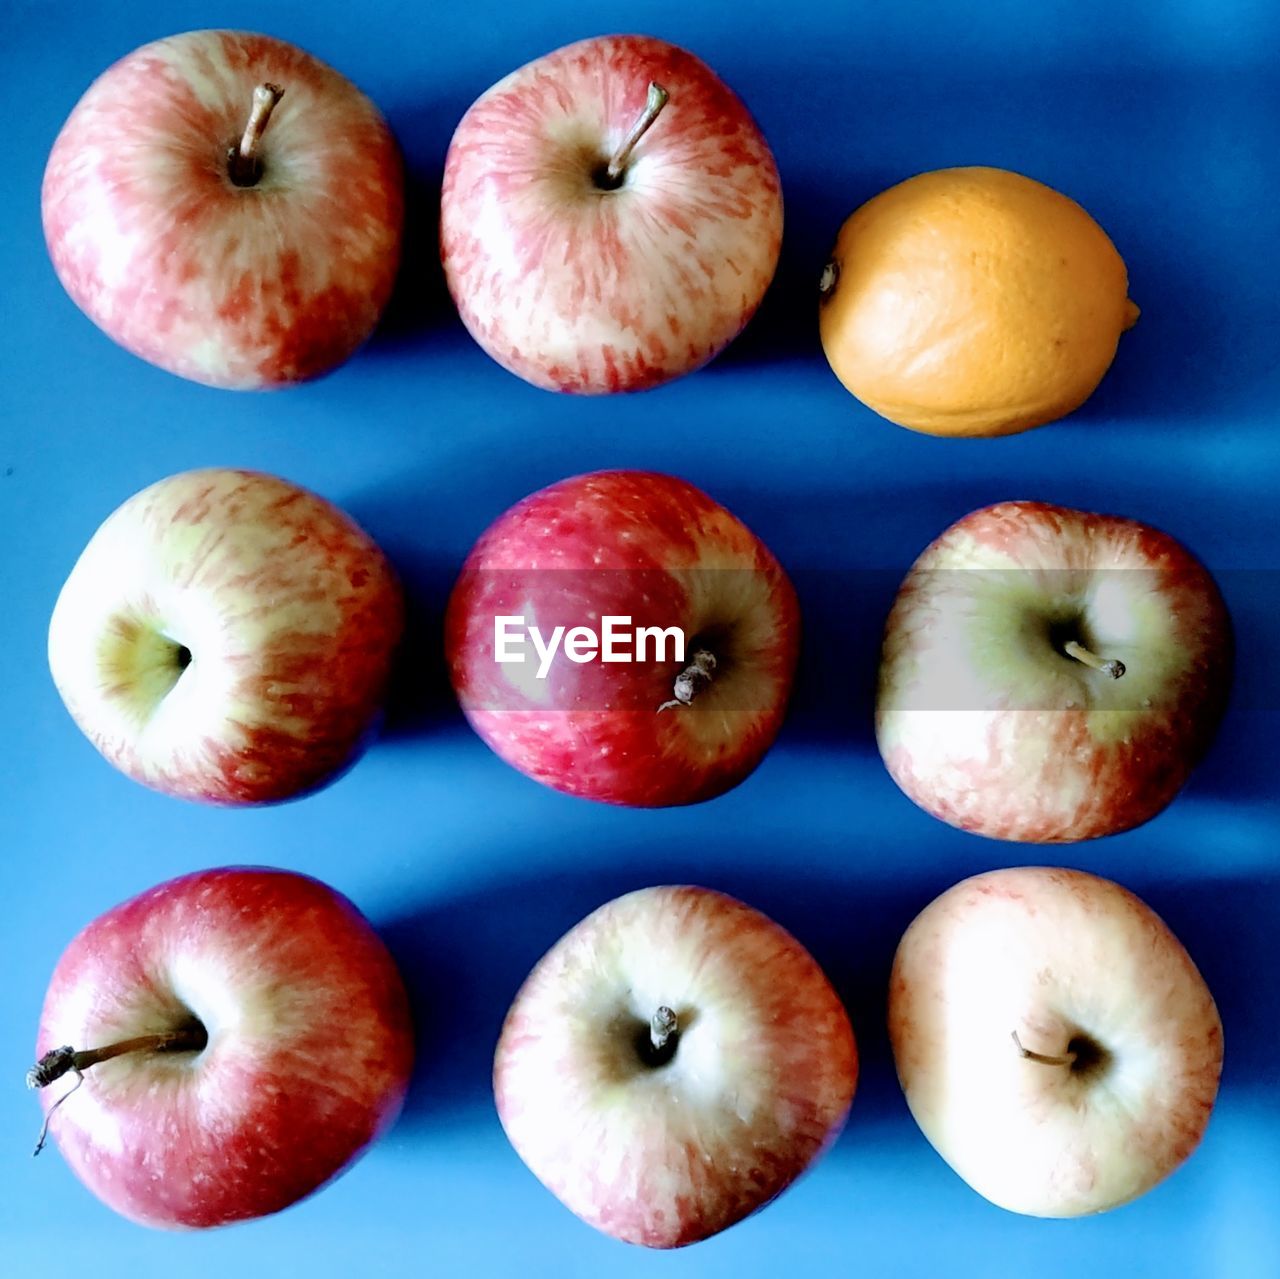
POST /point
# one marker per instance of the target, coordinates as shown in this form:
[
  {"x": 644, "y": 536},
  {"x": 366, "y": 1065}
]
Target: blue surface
[{"x": 1161, "y": 118}]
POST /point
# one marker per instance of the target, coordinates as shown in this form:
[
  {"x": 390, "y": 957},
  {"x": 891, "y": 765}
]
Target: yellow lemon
[{"x": 973, "y": 302}]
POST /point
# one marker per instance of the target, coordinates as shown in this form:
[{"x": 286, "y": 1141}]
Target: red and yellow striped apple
[
  {"x": 227, "y": 636},
  {"x": 228, "y": 207},
  {"x": 611, "y": 216},
  {"x": 1051, "y": 675},
  {"x": 220, "y": 1046},
  {"x": 674, "y": 1062}
]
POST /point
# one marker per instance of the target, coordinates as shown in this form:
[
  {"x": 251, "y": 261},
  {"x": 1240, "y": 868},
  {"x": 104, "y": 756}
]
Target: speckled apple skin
[
  {"x": 310, "y": 1046},
  {"x": 235, "y": 287},
  {"x": 575, "y": 288}
]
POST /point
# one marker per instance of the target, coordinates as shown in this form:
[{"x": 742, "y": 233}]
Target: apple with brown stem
[
  {"x": 234, "y": 1038},
  {"x": 1054, "y": 1040},
  {"x": 227, "y": 207},
  {"x": 611, "y": 216}
]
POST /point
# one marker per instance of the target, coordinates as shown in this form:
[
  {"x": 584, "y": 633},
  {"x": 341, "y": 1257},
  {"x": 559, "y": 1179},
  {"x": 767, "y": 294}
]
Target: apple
[
  {"x": 674, "y": 1062},
  {"x": 1051, "y": 675},
  {"x": 1054, "y": 1040},
  {"x": 236, "y": 1038},
  {"x": 611, "y": 216},
  {"x": 661, "y": 555},
  {"x": 227, "y": 207},
  {"x": 227, "y": 636}
]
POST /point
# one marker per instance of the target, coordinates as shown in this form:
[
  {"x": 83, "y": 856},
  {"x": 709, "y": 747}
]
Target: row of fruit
[
  {"x": 230, "y": 208},
  {"x": 671, "y": 1065}
]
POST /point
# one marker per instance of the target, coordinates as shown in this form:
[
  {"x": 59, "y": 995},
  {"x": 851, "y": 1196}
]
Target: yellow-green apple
[
  {"x": 228, "y": 207},
  {"x": 1051, "y": 675},
  {"x": 227, "y": 636},
  {"x": 1054, "y": 1040},
  {"x": 611, "y": 216},
  {"x": 672, "y": 1064},
  {"x": 677, "y": 714},
  {"x": 220, "y": 1046}
]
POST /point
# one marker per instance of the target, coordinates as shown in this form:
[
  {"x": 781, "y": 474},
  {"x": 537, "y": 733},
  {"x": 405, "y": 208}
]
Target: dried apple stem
[
  {"x": 692, "y": 680},
  {"x": 1108, "y": 666},
  {"x": 70, "y": 1061},
  {"x": 654, "y": 103},
  {"x": 243, "y": 163},
  {"x": 662, "y": 1025},
  {"x": 1045, "y": 1059}
]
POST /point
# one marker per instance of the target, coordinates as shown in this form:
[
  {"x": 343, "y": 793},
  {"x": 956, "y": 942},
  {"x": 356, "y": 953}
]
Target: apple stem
[
  {"x": 653, "y": 105},
  {"x": 1045, "y": 1059},
  {"x": 1108, "y": 666},
  {"x": 662, "y": 1025},
  {"x": 692, "y": 680},
  {"x": 242, "y": 162},
  {"x": 70, "y": 1061}
]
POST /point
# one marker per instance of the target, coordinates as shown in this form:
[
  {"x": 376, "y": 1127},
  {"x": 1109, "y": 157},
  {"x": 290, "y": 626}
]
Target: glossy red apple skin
[
  {"x": 759, "y": 1085},
  {"x": 309, "y": 1053},
  {"x": 986, "y": 725},
  {"x": 658, "y": 549},
  {"x": 240, "y": 287},
  {"x": 291, "y": 614},
  {"x": 578, "y": 289}
]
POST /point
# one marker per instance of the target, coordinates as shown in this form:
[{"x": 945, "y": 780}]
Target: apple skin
[
  {"x": 986, "y": 723},
  {"x": 240, "y": 287},
  {"x": 760, "y": 1082},
  {"x": 310, "y": 1046},
  {"x": 1049, "y": 955},
  {"x": 290, "y": 615},
  {"x": 575, "y": 288},
  {"x": 627, "y": 543}
]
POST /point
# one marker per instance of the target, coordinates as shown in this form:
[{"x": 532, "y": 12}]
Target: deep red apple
[
  {"x": 1051, "y": 675},
  {"x": 220, "y": 1046},
  {"x": 672, "y": 1064},
  {"x": 611, "y": 216},
  {"x": 552, "y": 639},
  {"x": 228, "y": 207},
  {"x": 227, "y": 636}
]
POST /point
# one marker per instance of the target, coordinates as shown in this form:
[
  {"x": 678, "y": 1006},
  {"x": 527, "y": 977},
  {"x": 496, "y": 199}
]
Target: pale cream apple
[
  {"x": 673, "y": 1063},
  {"x": 1054, "y": 1040}
]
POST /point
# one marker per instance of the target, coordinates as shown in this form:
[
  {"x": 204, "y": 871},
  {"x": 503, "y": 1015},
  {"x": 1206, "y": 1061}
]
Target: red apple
[
  {"x": 228, "y": 207},
  {"x": 1054, "y": 1040},
  {"x": 1051, "y": 675},
  {"x": 657, "y": 554},
  {"x": 674, "y": 1062},
  {"x": 611, "y": 216},
  {"x": 227, "y": 636},
  {"x": 226, "y": 1043}
]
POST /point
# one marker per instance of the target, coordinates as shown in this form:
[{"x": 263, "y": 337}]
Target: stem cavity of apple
[
  {"x": 662, "y": 1025},
  {"x": 70, "y": 1061},
  {"x": 1045, "y": 1059},
  {"x": 243, "y": 164},
  {"x": 613, "y": 171},
  {"x": 1108, "y": 666},
  {"x": 692, "y": 680}
]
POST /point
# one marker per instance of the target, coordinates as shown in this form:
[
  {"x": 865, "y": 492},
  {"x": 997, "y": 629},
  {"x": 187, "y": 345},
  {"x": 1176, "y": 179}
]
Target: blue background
[{"x": 1162, "y": 119}]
